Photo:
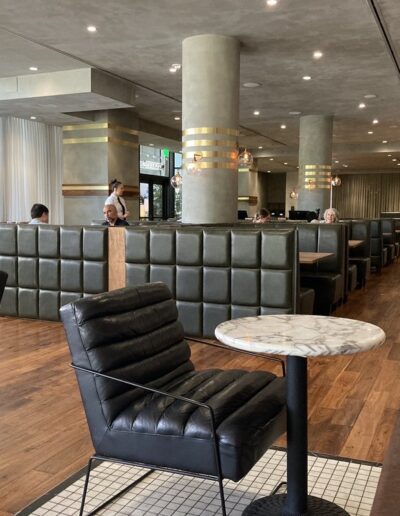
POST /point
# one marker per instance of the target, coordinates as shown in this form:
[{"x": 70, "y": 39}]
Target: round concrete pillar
[
  {"x": 315, "y": 162},
  {"x": 210, "y": 117}
]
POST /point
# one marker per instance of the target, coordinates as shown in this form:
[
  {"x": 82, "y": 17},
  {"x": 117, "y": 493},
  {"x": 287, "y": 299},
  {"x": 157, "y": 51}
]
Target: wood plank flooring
[{"x": 353, "y": 400}]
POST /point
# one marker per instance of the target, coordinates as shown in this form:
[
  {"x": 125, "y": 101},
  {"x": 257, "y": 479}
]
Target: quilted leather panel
[
  {"x": 8, "y": 239},
  {"x": 27, "y": 240},
  {"x": 49, "y": 241},
  {"x": 27, "y": 272}
]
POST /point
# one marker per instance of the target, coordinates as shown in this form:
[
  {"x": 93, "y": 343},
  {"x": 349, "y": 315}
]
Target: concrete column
[
  {"x": 210, "y": 117},
  {"x": 95, "y": 153},
  {"x": 315, "y": 162},
  {"x": 248, "y": 190}
]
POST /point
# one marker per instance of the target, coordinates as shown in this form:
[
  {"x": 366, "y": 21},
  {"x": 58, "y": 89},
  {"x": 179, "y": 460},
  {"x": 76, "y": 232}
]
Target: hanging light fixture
[
  {"x": 335, "y": 181},
  {"x": 176, "y": 180},
  {"x": 245, "y": 158}
]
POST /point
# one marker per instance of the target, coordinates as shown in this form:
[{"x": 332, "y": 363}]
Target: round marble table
[{"x": 299, "y": 337}]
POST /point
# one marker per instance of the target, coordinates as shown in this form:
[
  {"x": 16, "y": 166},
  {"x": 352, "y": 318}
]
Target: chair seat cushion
[
  {"x": 249, "y": 411},
  {"x": 352, "y": 277}
]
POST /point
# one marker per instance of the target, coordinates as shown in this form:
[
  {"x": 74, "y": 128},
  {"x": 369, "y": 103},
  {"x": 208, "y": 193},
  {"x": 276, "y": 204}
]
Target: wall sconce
[
  {"x": 293, "y": 194},
  {"x": 192, "y": 168},
  {"x": 245, "y": 158},
  {"x": 310, "y": 184}
]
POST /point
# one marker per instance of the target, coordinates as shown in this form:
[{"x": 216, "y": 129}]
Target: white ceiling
[{"x": 138, "y": 41}]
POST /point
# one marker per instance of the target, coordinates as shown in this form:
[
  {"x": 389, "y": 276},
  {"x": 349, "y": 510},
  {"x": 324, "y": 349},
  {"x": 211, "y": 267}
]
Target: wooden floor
[{"x": 353, "y": 400}]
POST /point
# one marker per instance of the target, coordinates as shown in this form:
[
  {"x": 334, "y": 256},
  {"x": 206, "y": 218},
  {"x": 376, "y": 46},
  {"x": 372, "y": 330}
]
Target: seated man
[
  {"x": 39, "y": 214},
  {"x": 111, "y": 216}
]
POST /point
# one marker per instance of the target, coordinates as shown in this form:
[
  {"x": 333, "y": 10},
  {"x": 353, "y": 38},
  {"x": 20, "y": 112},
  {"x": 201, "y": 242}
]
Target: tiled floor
[{"x": 349, "y": 484}]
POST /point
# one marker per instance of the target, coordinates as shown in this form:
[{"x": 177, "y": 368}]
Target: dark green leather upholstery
[
  {"x": 328, "y": 278},
  {"x": 389, "y": 238},
  {"x": 49, "y": 266},
  {"x": 216, "y": 273},
  {"x": 361, "y": 255},
  {"x": 376, "y": 245}
]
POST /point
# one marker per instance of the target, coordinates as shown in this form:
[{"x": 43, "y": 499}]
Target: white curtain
[{"x": 31, "y": 169}]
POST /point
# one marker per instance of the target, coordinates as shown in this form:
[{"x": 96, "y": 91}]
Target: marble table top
[{"x": 300, "y": 335}]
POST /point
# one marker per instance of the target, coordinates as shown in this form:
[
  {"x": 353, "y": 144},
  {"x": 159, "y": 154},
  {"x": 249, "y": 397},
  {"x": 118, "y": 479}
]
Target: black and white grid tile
[{"x": 351, "y": 485}]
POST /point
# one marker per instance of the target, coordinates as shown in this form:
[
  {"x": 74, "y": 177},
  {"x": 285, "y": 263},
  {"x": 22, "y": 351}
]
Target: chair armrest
[
  {"x": 144, "y": 387},
  {"x": 217, "y": 344}
]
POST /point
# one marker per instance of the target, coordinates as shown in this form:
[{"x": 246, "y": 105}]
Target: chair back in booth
[
  {"x": 3, "y": 281},
  {"x": 376, "y": 244},
  {"x": 133, "y": 335}
]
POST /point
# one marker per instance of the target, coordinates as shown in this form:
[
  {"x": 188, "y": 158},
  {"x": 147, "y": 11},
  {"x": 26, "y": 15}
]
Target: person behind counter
[
  {"x": 111, "y": 216},
  {"x": 264, "y": 216},
  {"x": 39, "y": 214},
  {"x": 116, "y": 198}
]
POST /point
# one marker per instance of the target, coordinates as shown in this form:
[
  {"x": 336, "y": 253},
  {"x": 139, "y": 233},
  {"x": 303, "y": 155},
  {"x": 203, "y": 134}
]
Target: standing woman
[{"x": 117, "y": 189}]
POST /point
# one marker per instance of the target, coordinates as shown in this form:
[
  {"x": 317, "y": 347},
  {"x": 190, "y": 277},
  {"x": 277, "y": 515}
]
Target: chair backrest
[
  {"x": 3, "y": 281},
  {"x": 388, "y": 231},
  {"x": 131, "y": 333}
]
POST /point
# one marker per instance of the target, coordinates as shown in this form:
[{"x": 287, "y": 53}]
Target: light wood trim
[
  {"x": 355, "y": 243},
  {"x": 116, "y": 258},
  {"x": 306, "y": 258},
  {"x": 130, "y": 192}
]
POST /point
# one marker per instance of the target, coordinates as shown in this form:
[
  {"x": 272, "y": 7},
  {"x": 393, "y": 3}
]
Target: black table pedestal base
[{"x": 274, "y": 506}]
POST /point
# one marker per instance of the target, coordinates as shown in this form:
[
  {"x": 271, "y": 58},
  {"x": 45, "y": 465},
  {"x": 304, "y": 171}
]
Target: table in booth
[
  {"x": 298, "y": 337},
  {"x": 308, "y": 258},
  {"x": 355, "y": 243}
]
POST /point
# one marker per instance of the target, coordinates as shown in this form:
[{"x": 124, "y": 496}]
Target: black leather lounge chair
[
  {"x": 3, "y": 281},
  {"x": 146, "y": 405}
]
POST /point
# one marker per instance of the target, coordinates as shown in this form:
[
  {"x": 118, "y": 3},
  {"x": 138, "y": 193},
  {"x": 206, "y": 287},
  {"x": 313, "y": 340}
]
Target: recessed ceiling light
[
  {"x": 33, "y": 68},
  {"x": 268, "y": 171},
  {"x": 336, "y": 161},
  {"x": 294, "y": 112},
  {"x": 384, "y": 141},
  {"x": 306, "y": 78},
  {"x": 389, "y": 155},
  {"x": 370, "y": 96},
  {"x": 285, "y": 163},
  {"x": 260, "y": 146},
  {"x": 398, "y": 164},
  {"x": 177, "y": 117},
  {"x": 317, "y": 54},
  {"x": 271, "y": 3},
  {"x": 345, "y": 166},
  {"x": 256, "y": 113},
  {"x": 251, "y": 84},
  {"x": 33, "y": 118},
  {"x": 375, "y": 121},
  {"x": 370, "y": 132},
  {"x": 91, "y": 28},
  {"x": 283, "y": 126},
  {"x": 151, "y": 144},
  {"x": 394, "y": 159},
  {"x": 271, "y": 159},
  {"x": 173, "y": 70},
  {"x": 361, "y": 105}
]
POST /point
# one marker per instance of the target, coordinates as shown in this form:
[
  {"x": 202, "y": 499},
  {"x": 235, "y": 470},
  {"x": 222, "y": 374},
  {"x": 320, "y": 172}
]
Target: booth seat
[
  {"x": 217, "y": 273},
  {"x": 327, "y": 278},
  {"x": 361, "y": 255},
  {"x": 49, "y": 266},
  {"x": 389, "y": 238},
  {"x": 377, "y": 250}
]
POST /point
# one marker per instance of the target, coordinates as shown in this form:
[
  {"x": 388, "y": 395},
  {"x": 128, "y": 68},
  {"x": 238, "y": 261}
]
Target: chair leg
[
  {"x": 222, "y": 496},
  {"x": 89, "y": 467}
]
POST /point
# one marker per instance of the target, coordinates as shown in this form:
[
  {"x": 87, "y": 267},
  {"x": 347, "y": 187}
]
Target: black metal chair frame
[{"x": 152, "y": 467}]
